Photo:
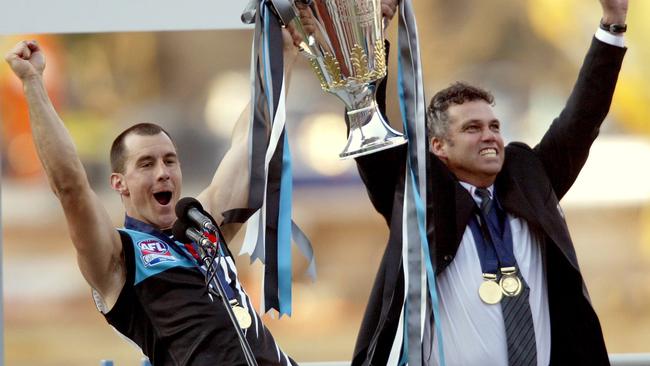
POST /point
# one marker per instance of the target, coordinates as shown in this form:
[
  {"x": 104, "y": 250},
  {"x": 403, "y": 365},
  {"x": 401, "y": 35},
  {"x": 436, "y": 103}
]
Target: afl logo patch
[{"x": 154, "y": 252}]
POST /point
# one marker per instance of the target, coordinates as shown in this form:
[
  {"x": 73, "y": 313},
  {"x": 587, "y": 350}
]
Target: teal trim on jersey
[{"x": 153, "y": 256}]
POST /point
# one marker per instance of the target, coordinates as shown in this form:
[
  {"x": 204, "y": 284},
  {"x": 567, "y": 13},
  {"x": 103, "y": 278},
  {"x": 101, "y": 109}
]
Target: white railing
[
  {"x": 630, "y": 359},
  {"x": 616, "y": 359}
]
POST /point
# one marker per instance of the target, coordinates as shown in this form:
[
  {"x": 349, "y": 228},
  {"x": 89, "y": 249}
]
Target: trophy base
[
  {"x": 373, "y": 147},
  {"x": 369, "y": 133}
]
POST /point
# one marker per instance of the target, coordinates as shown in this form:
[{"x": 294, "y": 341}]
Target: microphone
[
  {"x": 184, "y": 233},
  {"x": 192, "y": 209}
]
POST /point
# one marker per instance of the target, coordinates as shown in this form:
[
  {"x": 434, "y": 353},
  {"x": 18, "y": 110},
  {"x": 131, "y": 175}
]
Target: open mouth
[
  {"x": 163, "y": 197},
  {"x": 491, "y": 152}
]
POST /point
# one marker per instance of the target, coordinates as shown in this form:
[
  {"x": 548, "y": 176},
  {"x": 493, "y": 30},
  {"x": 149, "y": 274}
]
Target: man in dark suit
[{"x": 498, "y": 235}]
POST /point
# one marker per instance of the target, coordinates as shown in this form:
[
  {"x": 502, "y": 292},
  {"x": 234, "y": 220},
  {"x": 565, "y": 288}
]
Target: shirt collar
[
  {"x": 472, "y": 190},
  {"x": 135, "y": 224}
]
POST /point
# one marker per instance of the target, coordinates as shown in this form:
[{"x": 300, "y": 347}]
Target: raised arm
[
  {"x": 99, "y": 251},
  {"x": 230, "y": 183},
  {"x": 565, "y": 146},
  {"x": 381, "y": 171},
  {"x": 229, "y": 186},
  {"x": 614, "y": 11}
]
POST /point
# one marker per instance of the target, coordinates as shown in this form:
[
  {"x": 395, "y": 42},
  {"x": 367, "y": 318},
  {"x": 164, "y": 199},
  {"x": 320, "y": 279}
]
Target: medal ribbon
[{"x": 494, "y": 250}]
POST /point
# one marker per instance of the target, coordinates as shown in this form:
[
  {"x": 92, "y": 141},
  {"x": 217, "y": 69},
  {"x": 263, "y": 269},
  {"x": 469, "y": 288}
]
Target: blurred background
[{"x": 196, "y": 83}]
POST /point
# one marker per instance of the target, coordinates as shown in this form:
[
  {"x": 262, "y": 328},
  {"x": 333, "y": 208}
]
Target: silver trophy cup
[{"x": 344, "y": 43}]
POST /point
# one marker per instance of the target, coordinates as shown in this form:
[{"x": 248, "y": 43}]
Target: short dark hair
[
  {"x": 118, "y": 149},
  {"x": 455, "y": 94}
]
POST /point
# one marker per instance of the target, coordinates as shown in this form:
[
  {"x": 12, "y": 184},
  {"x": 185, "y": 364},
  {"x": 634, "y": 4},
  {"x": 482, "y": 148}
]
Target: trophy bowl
[{"x": 343, "y": 41}]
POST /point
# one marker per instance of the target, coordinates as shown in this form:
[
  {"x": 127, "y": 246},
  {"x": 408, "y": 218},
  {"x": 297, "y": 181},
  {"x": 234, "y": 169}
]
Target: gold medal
[
  {"x": 490, "y": 291},
  {"x": 243, "y": 317},
  {"x": 510, "y": 282}
]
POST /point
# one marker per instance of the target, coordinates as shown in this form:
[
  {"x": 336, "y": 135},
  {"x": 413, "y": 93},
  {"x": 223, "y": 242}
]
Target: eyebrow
[
  {"x": 151, "y": 157},
  {"x": 473, "y": 121},
  {"x": 143, "y": 158}
]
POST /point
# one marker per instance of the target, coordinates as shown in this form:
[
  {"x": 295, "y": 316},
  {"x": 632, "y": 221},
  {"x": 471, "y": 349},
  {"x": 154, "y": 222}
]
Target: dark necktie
[{"x": 517, "y": 317}]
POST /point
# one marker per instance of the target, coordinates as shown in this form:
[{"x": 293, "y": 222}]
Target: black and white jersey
[{"x": 166, "y": 309}]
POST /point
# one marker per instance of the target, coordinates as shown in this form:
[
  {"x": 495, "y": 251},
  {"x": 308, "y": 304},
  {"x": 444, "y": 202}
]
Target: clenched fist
[{"x": 26, "y": 59}]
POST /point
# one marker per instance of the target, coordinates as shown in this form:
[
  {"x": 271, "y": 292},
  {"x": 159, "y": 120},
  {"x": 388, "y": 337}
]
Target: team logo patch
[{"x": 154, "y": 252}]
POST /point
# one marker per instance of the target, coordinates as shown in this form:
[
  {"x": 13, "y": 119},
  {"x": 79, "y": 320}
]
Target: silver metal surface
[{"x": 344, "y": 43}]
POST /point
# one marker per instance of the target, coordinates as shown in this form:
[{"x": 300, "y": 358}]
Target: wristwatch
[{"x": 613, "y": 28}]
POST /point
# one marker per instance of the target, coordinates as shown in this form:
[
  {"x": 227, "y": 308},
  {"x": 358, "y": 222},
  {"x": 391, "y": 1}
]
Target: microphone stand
[{"x": 210, "y": 276}]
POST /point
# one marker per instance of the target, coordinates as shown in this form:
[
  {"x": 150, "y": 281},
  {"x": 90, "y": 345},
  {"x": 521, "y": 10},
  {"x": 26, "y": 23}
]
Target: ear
[
  {"x": 438, "y": 147},
  {"x": 118, "y": 183}
]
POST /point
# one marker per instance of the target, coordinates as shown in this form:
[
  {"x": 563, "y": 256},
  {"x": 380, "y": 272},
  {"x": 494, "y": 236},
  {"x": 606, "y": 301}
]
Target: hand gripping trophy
[{"x": 344, "y": 43}]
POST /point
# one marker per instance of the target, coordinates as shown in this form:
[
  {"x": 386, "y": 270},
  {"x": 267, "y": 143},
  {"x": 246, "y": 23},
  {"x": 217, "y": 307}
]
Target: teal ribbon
[{"x": 284, "y": 232}]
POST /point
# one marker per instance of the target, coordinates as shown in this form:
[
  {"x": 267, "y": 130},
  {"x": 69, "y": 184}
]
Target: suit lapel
[
  {"x": 537, "y": 214},
  {"x": 465, "y": 206},
  {"x": 513, "y": 199}
]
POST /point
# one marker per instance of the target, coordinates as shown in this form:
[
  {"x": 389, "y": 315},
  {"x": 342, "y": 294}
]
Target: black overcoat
[{"x": 530, "y": 185}]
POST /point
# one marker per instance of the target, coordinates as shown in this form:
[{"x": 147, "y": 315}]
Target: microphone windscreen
[
  {"x": 178, "y": 230},
  {"x": 185, "y": 204}
]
